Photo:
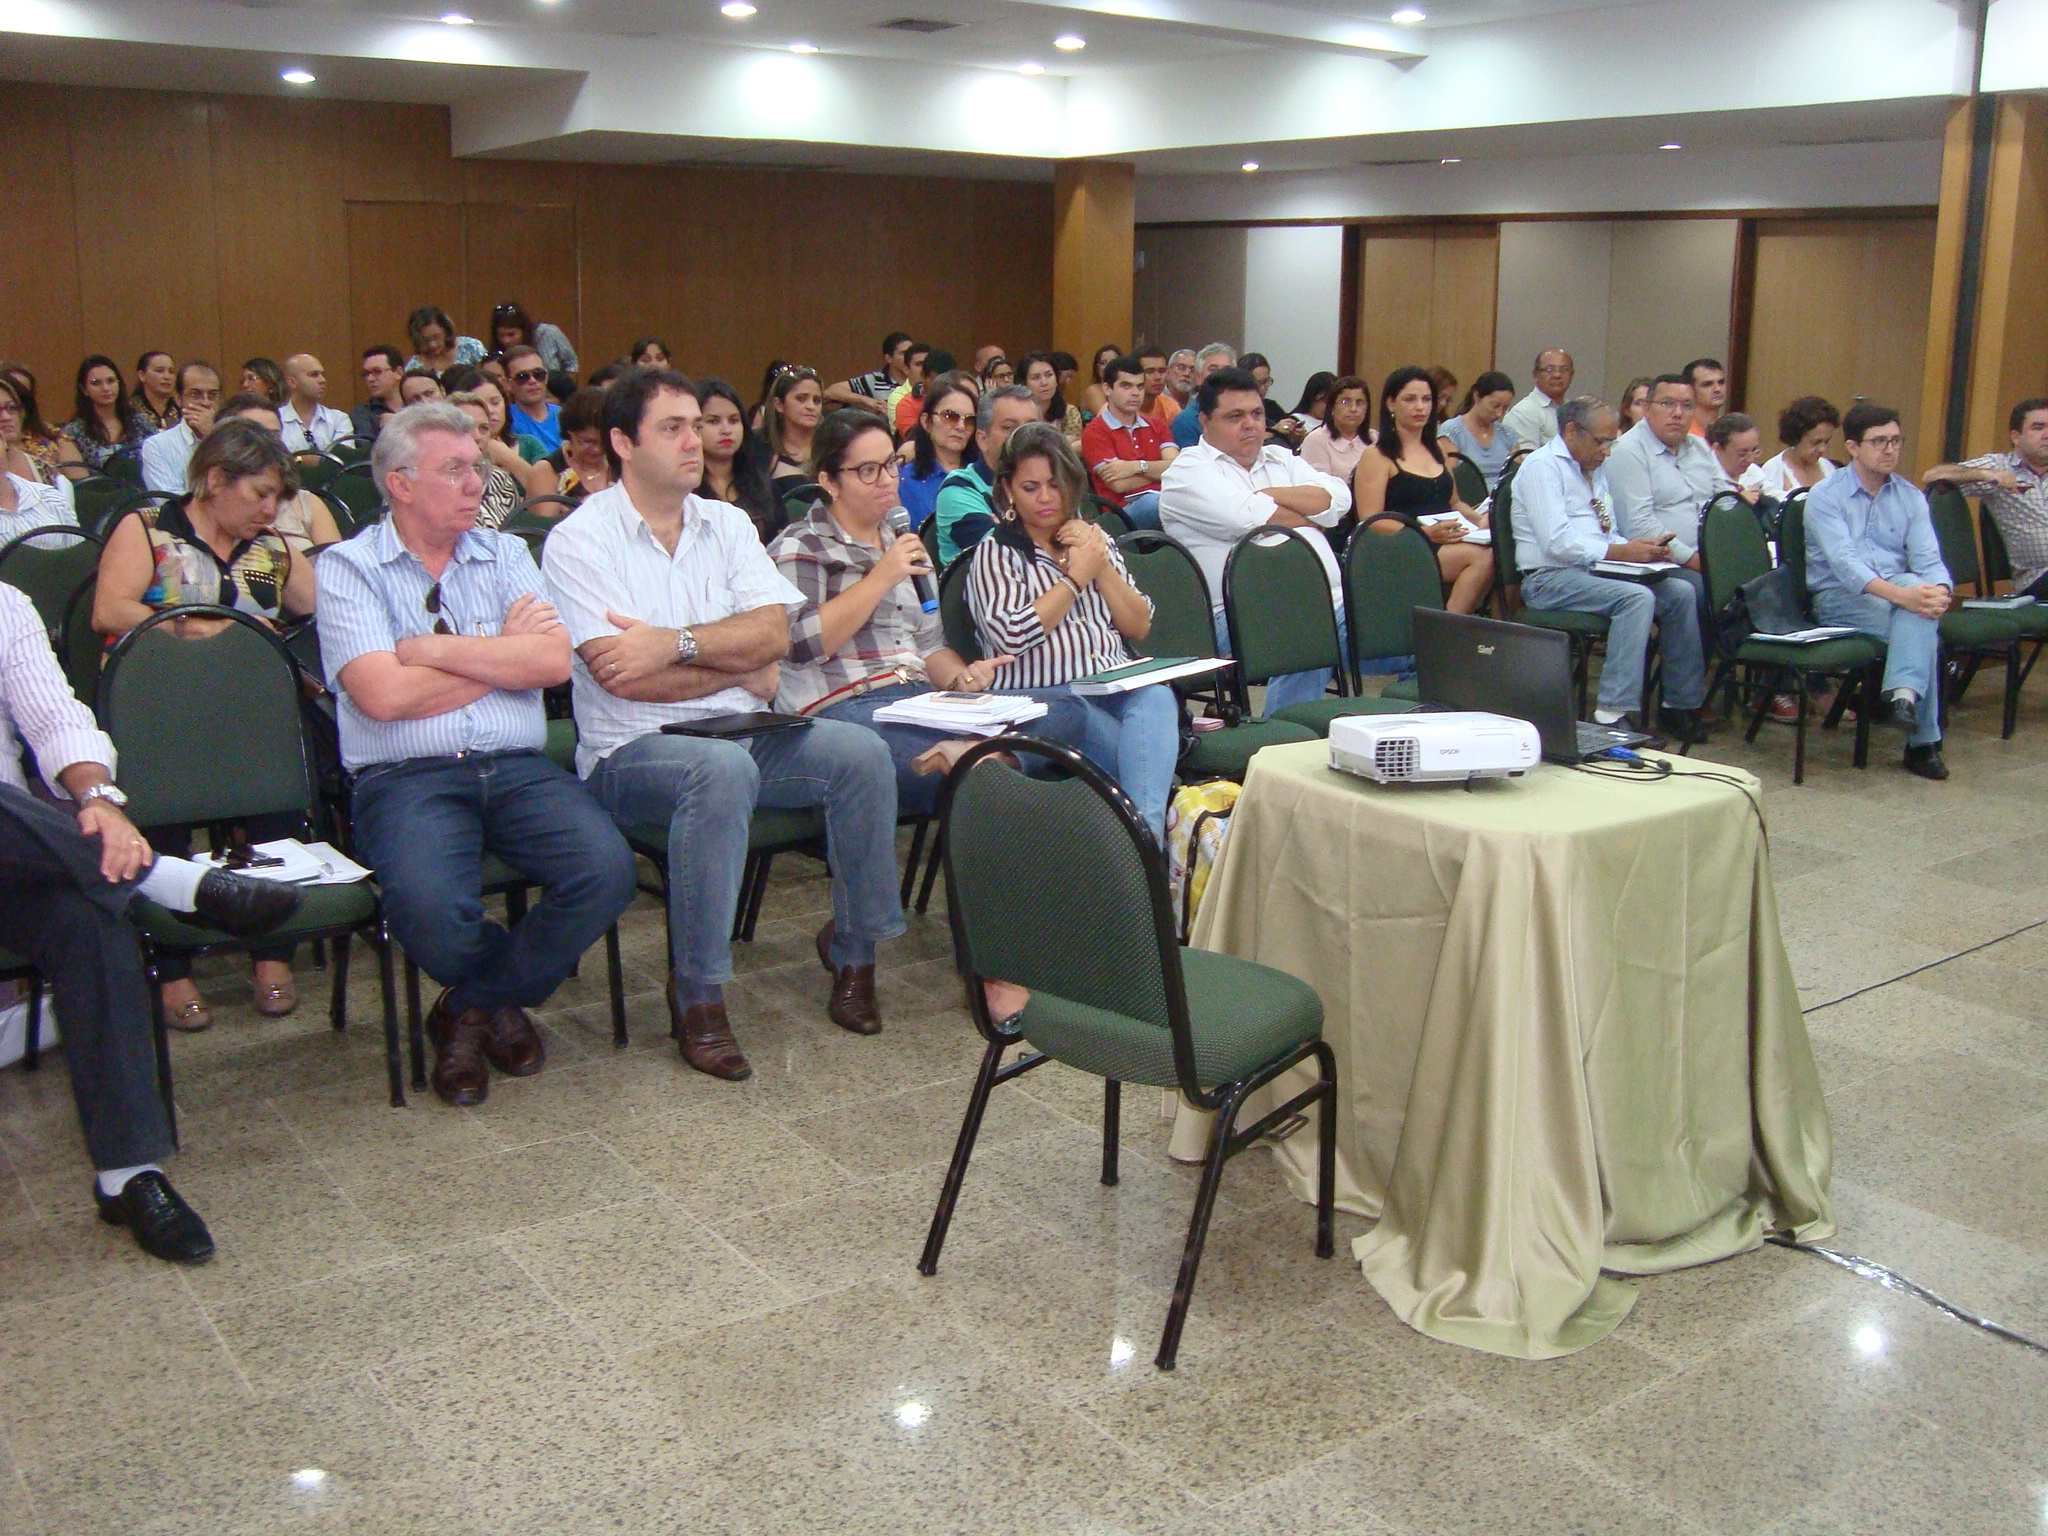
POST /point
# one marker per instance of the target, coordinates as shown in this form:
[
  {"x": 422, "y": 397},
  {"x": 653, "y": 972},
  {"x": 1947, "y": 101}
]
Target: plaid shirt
[
  {"x": 822, "y": 562},
  {"x": 2021, "y": 515}
]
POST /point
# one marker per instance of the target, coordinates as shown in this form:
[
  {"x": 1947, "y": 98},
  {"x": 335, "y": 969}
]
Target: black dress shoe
[
  {"x": 1926, "y": 761},
  {"x": 243, "y": 906},
  {"x": 1681, "y": 725},
  {"x": 162, "y": 1222}
]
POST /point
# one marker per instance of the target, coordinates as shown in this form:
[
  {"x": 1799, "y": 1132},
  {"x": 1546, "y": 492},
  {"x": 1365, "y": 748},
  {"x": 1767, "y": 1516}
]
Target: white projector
[{"x": 1433, "y": 749}]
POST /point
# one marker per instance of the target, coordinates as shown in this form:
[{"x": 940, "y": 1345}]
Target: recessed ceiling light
[
  {"x": 1249, "y": 165},
  {"x": 1030, "y": 67},
  {"x": 1450, "y": 160},
  {"x": 1674, "y": 144},
  {"x": 296, "y": 77},
  {"x": 457, "y": 19},
  {"x": 803, "y": 47},
  {"x": 1409, "y": 16},
  {"x": 738, "y": 10},
  {"x": 1070, "y": 42}
]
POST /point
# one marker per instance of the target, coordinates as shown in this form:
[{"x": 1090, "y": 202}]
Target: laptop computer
[{"x": 1465, "y": 662}]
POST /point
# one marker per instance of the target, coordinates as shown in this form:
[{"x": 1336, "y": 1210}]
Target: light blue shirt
[
  {"x": 373, "y": 593},
  {"x": 1854, "y": 538},
  {"x": 1558, "y": 516},
  {"x": 1659, "y": 490},
  {"x": 1187, "y": 426},
  {"x": 164, "y": 457}
]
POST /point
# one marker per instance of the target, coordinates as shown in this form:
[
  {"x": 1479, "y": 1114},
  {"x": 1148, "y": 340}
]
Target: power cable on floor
[
  {"x": 1930, "y": 965},
  {"x": 1892, "y": 1280}
]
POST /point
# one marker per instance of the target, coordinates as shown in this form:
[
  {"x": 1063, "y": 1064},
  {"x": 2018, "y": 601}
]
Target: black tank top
[{"x": 1414, "y": 495}]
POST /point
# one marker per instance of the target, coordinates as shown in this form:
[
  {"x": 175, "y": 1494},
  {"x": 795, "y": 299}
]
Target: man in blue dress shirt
[
  {"x": 1872, "y": 562},
  {"x": 437, "y": 643}
]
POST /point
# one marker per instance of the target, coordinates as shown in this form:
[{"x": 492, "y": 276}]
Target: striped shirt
[
  {"x": 164, "y": 457},
  {"x": 875, "y": 384},
  {"x": 36, "y": 506},
  {"x": 603, "y": 558},
  {"x": 373, "y": 593},
  {"x": 36, "y": 703},
  {"x": 1008, "y": 575},
  {"x": 2021, "y": 516},
  {"x": 822, "y": 562}
]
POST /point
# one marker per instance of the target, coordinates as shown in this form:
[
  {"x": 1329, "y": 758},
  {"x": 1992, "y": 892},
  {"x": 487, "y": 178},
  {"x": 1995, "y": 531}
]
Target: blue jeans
[
  {"x": 1141, "y": 510},
  {"x": 1289, "y": 687},
  {"x": 1064, "y": 720},
  {"x": 1912, "y": 647},
  {"x": 424, "y": 825},
  {"x": 1135, "y": 738},
  {"x": 1630, "y": 606},
  {"x": 705, "y": 792}
]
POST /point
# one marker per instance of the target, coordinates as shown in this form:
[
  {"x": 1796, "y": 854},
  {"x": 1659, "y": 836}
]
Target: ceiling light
[
  {"x": 738, "y": 10},
  {"x": 1249, "y": 165},
  {"x": 1070, "y": 42},
  {"x": 803, "y": 47},
  {"x": 296, "y": 77},
  {"x": 1674, "y": 144},
  {"x": 457, "y": 19},
  {"x": 1409, "y": 16},
  {"x": 1030, "y": 67},
  {"x": 1450, "y": 160}
]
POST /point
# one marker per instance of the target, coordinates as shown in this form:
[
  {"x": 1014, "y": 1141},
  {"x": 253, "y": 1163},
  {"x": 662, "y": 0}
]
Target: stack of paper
[
  {"x": 2000, "y": 604},
  {"x": 300, "y": 864},
  {"x": 1633, "y": 570},
  {"x": 962, "y": 714},
  {"x": 1812, "y": 636}
]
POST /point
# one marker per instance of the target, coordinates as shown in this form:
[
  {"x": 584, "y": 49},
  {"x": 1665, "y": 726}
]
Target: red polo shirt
[{"x": 1101, "y": 442}]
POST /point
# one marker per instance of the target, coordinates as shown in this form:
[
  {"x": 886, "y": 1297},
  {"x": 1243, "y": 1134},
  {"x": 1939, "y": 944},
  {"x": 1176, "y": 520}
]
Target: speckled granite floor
[{"x": 621, "y": 1297}]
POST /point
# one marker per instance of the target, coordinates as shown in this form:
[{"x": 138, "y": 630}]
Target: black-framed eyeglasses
[
  {"x": 441, "y": 624},
  {"x": 530, "y": 376},
  {"x": 873, "y": 474}
]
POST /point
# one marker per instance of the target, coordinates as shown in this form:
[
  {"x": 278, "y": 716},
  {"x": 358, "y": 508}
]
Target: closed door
[{"x": 1426, "y": 295}]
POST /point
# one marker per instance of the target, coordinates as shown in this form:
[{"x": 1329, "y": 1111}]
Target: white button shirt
[
  {"x": 36, "y": 506},
  {"x": 164, "y": 457},
  {"x": 1209, "y": 501},
  {"x": 603, "y": 557},
  {"x": 36, "y": 703},
  {"x": 300, "y": 435},
  {"x": 1533, "y": 419}
]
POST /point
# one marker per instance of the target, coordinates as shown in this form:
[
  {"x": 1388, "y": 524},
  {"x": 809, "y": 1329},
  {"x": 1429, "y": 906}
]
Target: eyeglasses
[
  {"x": 455, "y": 472},
  {"x": 1555, "y": 368},
  {"x": 1670, "y": 405},
  {"x": 953, "y": 418},
  {"x": 9, "y": 408},
  {"x": 874, "y": 474},
  {"x": 530, "y": 376},
  {"x": 441, "y": 625},
  {"x": 1884, "y": 444}
]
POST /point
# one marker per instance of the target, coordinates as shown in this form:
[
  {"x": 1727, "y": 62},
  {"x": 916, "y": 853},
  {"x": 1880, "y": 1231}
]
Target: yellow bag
[{"x": 1196, "y": 821}]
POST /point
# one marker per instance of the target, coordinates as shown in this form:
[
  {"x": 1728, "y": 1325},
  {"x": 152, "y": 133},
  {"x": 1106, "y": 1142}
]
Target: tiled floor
[{"x": 621, "y": 1297}]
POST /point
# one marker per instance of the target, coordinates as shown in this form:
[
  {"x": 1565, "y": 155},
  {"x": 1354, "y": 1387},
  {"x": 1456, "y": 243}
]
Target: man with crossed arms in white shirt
[{"x": 1228, "y": 483}]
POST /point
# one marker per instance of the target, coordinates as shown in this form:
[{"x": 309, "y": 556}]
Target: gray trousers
[
  {"x": 1630, "y": 606},
  {"x": 58, "y": 912}
]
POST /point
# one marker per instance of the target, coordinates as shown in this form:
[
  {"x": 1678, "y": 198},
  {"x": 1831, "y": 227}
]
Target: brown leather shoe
[
  {"x": 461, "y": 1075},
  {"x": 512, "y": 1044},
  {"x": 852, "y": 1005},
  {"x": 705, "y": 1038}
]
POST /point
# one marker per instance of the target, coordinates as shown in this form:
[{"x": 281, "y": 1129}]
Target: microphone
[{"x": 927, "y": 593}]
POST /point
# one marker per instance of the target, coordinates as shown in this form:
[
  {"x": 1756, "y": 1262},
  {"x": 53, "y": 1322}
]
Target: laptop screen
[{"x": 1466, "y": 662}]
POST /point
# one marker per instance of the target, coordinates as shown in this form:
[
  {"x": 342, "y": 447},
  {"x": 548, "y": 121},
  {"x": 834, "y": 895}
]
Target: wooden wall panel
[
  {"x": 142, "y": 166},
  {"x": 400, "y": 255},
  {"x": 280, "y": 234},
  {"x": 1841, "y": 311},
  {"x": 397, "y": 154},
  {"x": 523, "y": 254},
  {"x": 1427, "y": 296},
  {"x": 526, "y": 183},
  {"x": 1009, "y": 265},
  {"x": 1093, "y": 254},
  {"x": 2011, "y": 361},
  {"x": 39, "y": 314}
]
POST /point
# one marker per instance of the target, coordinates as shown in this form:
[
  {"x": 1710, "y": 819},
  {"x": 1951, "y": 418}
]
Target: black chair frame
[{"x": 1226, "y": 1140}]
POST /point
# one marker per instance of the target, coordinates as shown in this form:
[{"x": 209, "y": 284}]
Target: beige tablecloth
[{"x": 1567, "y": 1035}]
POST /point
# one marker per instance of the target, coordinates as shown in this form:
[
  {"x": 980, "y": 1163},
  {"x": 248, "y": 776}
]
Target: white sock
[
  {"x": 1906, "y": 698},
  {"x": 1609, "y": 716},
  {"x": 114, "y": 1180},
  {"x": 173, "y": 883}
]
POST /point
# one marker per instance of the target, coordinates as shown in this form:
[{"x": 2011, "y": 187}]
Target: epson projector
[{"x": 1433, "y": 749}]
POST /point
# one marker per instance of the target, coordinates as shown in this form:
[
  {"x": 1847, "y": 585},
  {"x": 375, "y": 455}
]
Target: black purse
[{"x": 1770, "y": 604}]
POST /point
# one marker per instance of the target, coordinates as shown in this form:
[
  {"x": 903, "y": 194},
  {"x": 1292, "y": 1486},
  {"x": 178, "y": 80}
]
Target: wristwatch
[
  {"x": 107, "y": 792},
  {"x": 686, "y": 647}
]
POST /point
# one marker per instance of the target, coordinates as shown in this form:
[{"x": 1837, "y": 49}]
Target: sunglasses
[
  {"x": 441, "y": 624},
  {"x": 530, "y": 376}
]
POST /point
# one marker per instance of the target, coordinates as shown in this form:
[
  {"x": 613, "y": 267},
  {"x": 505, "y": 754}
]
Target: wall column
[{"x": 1094, "y": 251}]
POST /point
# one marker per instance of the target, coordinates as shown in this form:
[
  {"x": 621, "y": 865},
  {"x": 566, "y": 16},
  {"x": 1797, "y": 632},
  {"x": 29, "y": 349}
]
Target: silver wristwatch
[
  {"x": 686, "y": 647},
  {"x": 106, "y": 792}
]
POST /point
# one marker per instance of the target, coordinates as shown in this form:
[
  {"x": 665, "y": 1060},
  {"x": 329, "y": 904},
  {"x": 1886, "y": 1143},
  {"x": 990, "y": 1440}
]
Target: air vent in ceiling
[
  {"x": 920, "y": 24},
  {"x": 1387, "y": 164}
]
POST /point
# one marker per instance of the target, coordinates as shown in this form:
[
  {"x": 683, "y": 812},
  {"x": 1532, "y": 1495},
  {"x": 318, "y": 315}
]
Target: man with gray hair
[
  {"x": 1533, "y": 418},
  {"x": 966, "y": 506},
  {"x": 437, "y": 645},
  {"x": 1565, "y": 523},
  {"x": 1214, "y": 358},
  {"x": 1180, "y": 386}
]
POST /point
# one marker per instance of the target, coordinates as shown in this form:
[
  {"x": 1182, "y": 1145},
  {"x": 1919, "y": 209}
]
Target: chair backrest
[
  {"x": 1955, "y": 530},
  {"x": 79, "y": 647},
  {"x": 1469, "y": 480},
  {"x": 1792, "y": 535},
  {"x": 317, "y": 470},
  {"x": 97, "y": 497},
  {"x": 1276, "y": 597},
  {"x": 1109, "y": 942},
  {"x": 343, "y": 514},
  {"x": 352, "y": 450},
  {"x": 1732, "y": 549},
  {"x": 928, "y": 531},
  {"x": 955, "y": 616},
  {"x": 359, "y": 493},
  {"x": 1997, "y": 558},
  {"x": 207, "y": 730},
  {"x": 1162, "y": 569},
  {"x": 1388, "y": 574},
  {"x": 125, "y": 466},
  {"x": 104, "y": 528},
  {"x": 50, "y": 575},
  {"x": 1500, "y": 517},
  {"x": 1109, "y": 519}
]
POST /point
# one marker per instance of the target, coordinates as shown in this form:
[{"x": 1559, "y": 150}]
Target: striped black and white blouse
[{"x": 1009, "y": 574}]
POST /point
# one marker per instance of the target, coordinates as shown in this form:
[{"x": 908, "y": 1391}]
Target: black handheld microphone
[{"x": 927, "y": 593}]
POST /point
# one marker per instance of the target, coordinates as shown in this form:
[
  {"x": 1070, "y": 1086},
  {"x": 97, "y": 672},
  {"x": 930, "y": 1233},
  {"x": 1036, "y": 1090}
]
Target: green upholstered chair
[
  {"x": 49, "y": 564},
  {"x": 317, "y": 470},
  {"x": 357, "y": 490},
  {"x": 97, "y": 498},
  {"x": 1732, "y": 552},
  {"x": 2033, "y": 621},
  {"x": 1112, "y": 992},
  {"x": 1585, "y": 629},
  {"x": 1469, "y": 480},
  {"x": 1276, "y": 600},
  {"x": 955, "y": 617},
  {"x": 195, "y": 752},
  {"x": 1972, "y": 636},
  {"x": 1387, "y": 576},
  {"x": 1183, "y": 625}
]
